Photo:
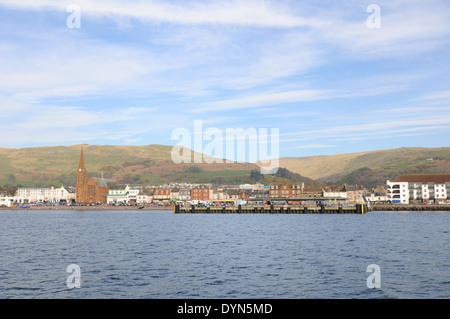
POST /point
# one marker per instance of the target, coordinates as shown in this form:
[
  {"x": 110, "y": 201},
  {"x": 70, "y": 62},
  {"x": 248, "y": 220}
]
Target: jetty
[{"x": 271, "y": 209}]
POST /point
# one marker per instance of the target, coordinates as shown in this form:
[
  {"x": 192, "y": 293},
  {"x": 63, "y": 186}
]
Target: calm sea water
[{"x": 157, "y": 254}]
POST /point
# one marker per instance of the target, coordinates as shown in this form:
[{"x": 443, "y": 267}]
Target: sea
[{"x": 100, "y": 254}]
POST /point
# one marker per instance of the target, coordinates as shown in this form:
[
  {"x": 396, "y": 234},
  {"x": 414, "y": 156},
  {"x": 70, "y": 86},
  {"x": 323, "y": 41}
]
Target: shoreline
[
  {"x": 373, "y": 208},
  {"x": 99, "y": 207}
]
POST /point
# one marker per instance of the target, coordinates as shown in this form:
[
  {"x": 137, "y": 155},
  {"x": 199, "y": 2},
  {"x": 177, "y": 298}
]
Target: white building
[
  {"x": 220, "y": 194},
  {"x": 35, "y": 195},
  {"x": 184, "y": 194},
  {"x": 377, "y": 197},
  {"x": 65, "y": 194},
  {"x": 5, "y": 201},
  {"x": 132, "y": 195},
  {"x": 420, "y": 188},
  {"x": 41, "y": 195},
  {"x": 335, "y": 192},
  {"x": 398, "y": 192},
  {"x": 118, "y": 194},
  {"x": 124, "y": 195},
  {"x": 143, "y": 199},
  {"x": 251, "y": 186}
]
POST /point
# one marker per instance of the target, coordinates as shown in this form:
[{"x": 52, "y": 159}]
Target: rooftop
[
  {"x": 423, "y": 178},
  {"x": 105, "y": 182}
]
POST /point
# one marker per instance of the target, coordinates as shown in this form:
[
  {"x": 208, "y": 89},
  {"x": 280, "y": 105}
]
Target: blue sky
[{"x": 137, "y": 70}]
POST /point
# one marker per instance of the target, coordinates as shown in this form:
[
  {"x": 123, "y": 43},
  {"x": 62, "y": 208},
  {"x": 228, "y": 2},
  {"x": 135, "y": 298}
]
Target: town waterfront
[{"x": 159, "y": 254}]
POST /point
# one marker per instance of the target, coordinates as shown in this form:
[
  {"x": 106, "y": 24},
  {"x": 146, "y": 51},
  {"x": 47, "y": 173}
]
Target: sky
[{"x": 327, "y": 77}]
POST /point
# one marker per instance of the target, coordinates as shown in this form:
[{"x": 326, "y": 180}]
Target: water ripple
[{"x": 163, "y": 255}]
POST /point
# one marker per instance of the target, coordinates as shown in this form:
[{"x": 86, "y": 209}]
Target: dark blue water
[{"x": 157, "y": 254}]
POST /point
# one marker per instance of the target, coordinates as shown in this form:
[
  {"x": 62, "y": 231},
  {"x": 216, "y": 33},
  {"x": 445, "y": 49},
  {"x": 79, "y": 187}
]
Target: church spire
[
  {"x": 80, "y": 196},
  {"x": 81, "y": 165}
]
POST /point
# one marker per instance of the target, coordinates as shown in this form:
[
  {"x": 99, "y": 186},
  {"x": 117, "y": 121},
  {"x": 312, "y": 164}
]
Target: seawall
[{"x": 399, "y": 207}]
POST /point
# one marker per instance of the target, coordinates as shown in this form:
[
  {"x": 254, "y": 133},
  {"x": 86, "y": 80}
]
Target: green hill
[
  {"x": 142, "y": 165},
  {"x": 370, "y": 168},
  {"x": 152, "y": 165}
]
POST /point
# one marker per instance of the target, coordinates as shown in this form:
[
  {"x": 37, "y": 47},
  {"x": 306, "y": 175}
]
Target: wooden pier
[{"x": 272, "y": 209}]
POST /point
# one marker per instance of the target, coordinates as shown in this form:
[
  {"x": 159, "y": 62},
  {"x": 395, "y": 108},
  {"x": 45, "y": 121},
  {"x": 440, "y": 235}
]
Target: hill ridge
[
  {"x": 375, "y": 166},
  {"x": 152, "y": 164}
]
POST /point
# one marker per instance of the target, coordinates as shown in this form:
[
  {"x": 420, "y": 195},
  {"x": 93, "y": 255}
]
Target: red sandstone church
[{"x": 95, "y": 190}]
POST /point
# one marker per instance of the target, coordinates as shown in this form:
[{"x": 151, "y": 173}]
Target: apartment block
[{"x": 419, "y": 188}]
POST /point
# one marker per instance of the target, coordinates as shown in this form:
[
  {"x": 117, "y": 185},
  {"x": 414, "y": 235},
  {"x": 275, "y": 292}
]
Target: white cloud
[
  {"x": 264, "y": 100},
  {"x": 407, "y": 28},
  {"x": 81, "y": 68},
  {"x": 42, "y": 117},
  {"x": 370, "y": 129},
  {"x": 275, "y": 98},
  {"x": 202, "y": 56},
  {"x": 244, "y": 13},
  {"x": 50, "y": 124}
]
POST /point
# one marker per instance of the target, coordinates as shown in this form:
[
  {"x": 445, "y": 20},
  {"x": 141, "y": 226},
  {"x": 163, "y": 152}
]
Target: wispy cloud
[
  {"x": 370, "y": 129},
  {"x": 137, "y": 70},
  {"x": 380, "y": 126},
  {"x": 277, "y": 98},
  {"x": 244, "y": 13},
  {"x": 407, "y": 28},
  {"x": 440, "y": 95},
  {"x": 265, "y": 100}
]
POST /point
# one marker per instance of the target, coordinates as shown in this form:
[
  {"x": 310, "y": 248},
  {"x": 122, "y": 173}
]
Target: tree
[
  {"x": 256, "y": 175},
  {"x": 11, "y": 190}
]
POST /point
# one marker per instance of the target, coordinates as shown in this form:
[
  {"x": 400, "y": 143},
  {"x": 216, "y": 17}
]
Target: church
[{"x": 95, "y": 190}]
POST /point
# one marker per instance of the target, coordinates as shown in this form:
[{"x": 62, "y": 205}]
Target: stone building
[{"x": 95, "y": 190}]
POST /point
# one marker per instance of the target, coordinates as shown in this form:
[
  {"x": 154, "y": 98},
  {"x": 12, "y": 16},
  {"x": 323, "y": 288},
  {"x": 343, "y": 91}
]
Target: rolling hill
[
  {"x": 370, "y": 168},
  {"x": 149, "y": 164},
  {"x": 152, "y": 164}
]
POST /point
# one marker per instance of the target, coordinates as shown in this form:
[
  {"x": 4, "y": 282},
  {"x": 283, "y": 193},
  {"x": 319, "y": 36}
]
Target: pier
[{"x": 272, "y": 209}]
